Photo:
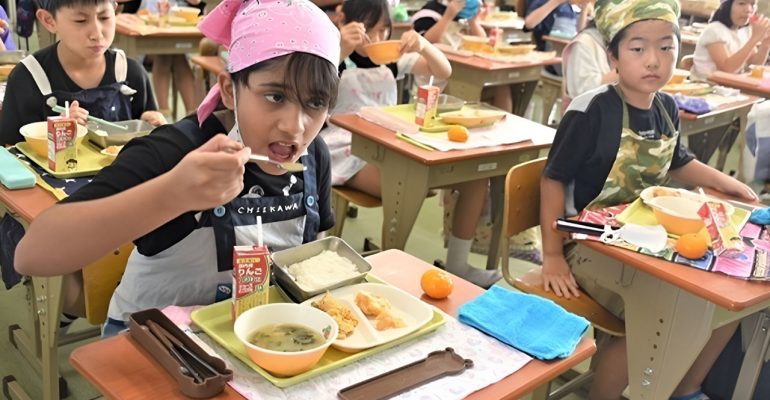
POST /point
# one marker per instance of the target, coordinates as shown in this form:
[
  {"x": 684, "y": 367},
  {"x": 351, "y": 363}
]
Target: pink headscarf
[{"x": 258, "y": 30}]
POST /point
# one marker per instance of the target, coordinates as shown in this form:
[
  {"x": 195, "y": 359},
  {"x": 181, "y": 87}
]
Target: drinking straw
[{"x": 259, "y": 231}]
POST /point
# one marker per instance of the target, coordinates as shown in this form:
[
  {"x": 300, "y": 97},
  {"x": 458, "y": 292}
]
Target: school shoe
[{"x": 481, "y": 277}]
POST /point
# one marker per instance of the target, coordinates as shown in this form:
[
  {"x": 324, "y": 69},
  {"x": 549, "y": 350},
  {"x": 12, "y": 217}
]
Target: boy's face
[
  {"x": 85, "y": 30},
  {"x": 646, "y": 56},
  {"x": 741, "y": 11},
  {"x": 270, "y": 123}
]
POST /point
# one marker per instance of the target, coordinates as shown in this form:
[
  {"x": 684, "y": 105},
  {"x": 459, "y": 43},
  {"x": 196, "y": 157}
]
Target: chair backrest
[
  {"x": 521, "y": 7},
  {"x": 686, "y": 62},
  {"x": 521, "y": 210},
  {"x": 100, "y": 279}
]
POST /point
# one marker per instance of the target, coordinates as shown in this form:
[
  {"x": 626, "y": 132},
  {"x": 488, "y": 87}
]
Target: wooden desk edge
[{"x": 726, "y": 107}]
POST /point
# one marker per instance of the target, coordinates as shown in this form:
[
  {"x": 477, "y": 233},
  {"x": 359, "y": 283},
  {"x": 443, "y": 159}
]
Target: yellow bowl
[
  {"x": 679, "y": 215},
  {"x": 281, "y": 363},
  {"x": 36, "y": 135},
  {"x": 477, "y": 44},
  {"x": 679, "y": 76},
  {"x": 190, "y": 14},
  {"x": 516, "y": 49},
  {"x": 385, "y": 52}
]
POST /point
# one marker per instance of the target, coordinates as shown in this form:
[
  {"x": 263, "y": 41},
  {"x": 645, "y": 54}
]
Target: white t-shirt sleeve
[
  {"x": 406, "y": 63},
  {"x": 715, "y": 32},
  {"x": 584, "y": 71}
]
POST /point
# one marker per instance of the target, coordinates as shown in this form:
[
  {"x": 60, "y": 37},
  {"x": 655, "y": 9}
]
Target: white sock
[{"x": 457, "y": 254}]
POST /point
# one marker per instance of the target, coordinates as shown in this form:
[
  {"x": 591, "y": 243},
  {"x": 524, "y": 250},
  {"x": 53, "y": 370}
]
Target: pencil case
[
  {"x": 13, "y": 173},
  {"x": 198, "y": 374}
]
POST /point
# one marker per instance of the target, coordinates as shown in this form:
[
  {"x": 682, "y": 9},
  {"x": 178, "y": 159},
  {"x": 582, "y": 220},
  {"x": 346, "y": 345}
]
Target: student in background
[
  {"x": 79, "y": 68},
  {"x": 185, "y": 194},
  {"x": 585, "y": 65},
  {"x": 612, "y": 143},
  {"x": 6, "y": 39},
  {"x": 735, "y": 37}
]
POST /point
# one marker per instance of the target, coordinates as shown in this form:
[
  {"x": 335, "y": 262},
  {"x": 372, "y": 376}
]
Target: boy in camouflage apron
[{"x": 614, "y": 142}]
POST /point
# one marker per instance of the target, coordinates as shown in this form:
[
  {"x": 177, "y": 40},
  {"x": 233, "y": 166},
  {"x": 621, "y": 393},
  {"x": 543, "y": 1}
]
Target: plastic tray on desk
[
  {"x": 640, "y": 214},
  {"x": 90, "y": 161},
  {"x": 215, "y": 320}
]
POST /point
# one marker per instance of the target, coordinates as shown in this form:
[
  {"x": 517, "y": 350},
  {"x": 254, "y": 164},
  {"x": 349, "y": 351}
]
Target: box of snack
[
  {"x": 724, "y": 238},
  {"x": 427, "y": 105},
  {"x": 251, "y": 277},
  {"x": 62, "y": 137}
]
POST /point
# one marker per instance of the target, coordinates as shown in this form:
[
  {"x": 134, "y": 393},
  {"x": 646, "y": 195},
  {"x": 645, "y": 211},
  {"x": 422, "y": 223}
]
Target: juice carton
[
  {"x": 251, "y": 278},
  {"x": 62, "y": 135},
  {"x": 427, "y": 105},
  {"x": 724, "y": 237}
]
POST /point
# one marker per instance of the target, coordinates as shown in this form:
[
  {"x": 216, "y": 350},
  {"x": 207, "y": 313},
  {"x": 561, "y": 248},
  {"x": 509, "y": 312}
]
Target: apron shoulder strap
[
  {"x": 662, "y": 109},
  {"x": 121, "y": 66},
  {"x": 38, "y": 74}
]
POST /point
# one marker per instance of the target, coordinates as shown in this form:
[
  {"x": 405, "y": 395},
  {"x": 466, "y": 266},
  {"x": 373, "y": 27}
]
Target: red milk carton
[
  {"x": 724, "y": 237},
  {"x": 427, "y": 105},
  {"x": 251, "y": 278},
  {"x": 62, "y": 150}
]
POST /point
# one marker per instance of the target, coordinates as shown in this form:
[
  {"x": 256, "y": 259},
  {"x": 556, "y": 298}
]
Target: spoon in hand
[{"x": 288, "y": 166}]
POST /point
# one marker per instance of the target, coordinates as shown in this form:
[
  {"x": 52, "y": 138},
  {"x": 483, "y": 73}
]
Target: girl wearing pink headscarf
[{"x": 185, "y": 194}]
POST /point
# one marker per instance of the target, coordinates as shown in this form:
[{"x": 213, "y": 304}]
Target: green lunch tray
[
  {"x": 638, "y": 213},
  {"x": 90, "y": 160},
  {"x": 215, "y": 320},
  {"x": 405, "y": 112}
]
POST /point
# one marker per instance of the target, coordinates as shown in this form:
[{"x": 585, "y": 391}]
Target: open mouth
[{"x": 282, "y": 151}]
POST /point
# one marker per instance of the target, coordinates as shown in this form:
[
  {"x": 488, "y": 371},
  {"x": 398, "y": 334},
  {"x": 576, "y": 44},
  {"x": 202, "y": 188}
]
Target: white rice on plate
[{"x": 322, "y": 270}]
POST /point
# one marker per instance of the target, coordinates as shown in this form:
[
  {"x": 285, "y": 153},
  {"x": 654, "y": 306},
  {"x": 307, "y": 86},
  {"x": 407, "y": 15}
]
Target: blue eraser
[{"x": 13, "y": 173}]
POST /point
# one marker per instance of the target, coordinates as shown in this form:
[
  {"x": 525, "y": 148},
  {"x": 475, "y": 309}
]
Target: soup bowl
[
  {"x": 36, "y": 135},
  {"x": 282, "y": 363}
]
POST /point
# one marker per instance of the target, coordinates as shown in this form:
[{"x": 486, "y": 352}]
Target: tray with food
[
  {"x": 215, "y": 320},
  {"x": 688, "y": 88}
]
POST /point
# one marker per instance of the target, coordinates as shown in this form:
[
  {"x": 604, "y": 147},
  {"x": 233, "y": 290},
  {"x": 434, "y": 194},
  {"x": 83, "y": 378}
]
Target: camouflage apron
[{"x": 640, "y": 162}]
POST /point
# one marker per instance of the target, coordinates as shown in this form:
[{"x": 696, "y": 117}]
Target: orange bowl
[
  {"x": 385, "y": 52},
  {"x": 36, "y": 135},
  {"x": 679, "y": 76},
  {"x": 281, "y": 363},
  {"x": 679, "y": 215}
]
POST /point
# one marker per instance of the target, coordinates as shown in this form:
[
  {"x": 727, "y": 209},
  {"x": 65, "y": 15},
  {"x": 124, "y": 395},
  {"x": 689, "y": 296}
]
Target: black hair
[
  {"x": 722, "y": 14},
  {"x": 54, "y": 5},
  {"x": 615, "y": 43},
  {"x": 308, "y": 79},
  {"x": 368, "y": 12}
]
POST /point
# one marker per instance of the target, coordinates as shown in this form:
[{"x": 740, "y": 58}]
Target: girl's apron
[
  {"x": 190, "y": 273},
  {"x": 639, "y": 163},
  {"x": 111, "y": 102},
  {"x": 358, "y": 87}
]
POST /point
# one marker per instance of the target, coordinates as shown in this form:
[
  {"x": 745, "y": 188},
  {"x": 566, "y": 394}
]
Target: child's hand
[
  {"x": 210, "y": 175},
  {"x": 454, "y": 7},
  {"x": 352, "y": 35},
  {"x": 734, "y": 187},
  {"x": 80, "y": 114},
  {"x": 155, "y": 118},
  {"x": 760, "y": 28},
  {"x": 412, "y": 42},
  {"x": 558, "y": 277}
]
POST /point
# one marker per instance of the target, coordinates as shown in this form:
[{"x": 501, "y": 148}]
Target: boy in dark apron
[
  {"x": 79, "y": 68},
  {"x": 614, "y": 142},
  {"x": 185, "y": 194}
]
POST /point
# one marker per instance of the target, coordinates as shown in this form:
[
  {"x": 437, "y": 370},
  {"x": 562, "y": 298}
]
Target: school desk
[
  {"x": 558, "y": 43},
  {"x": 407, "y": 172},
  {"x": 207, "y": 68},
  {"x": 399, "y": 28},
  {"x": 137, "y": 39},
  {"x": 470, "y": 75},
  {"x": 687, "y": 47},
  {"x": 670, "y": 311},
  {"x": 744, "y": 82},
  {"x": 121, "y": 370},
  {"x": 719, "y": 121}
]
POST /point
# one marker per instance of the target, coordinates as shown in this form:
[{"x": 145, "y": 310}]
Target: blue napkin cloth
[
  {"x": 760, "y": 216},
  {"x": 695, "y": 105},
  {"x": 532, "y": 324}
]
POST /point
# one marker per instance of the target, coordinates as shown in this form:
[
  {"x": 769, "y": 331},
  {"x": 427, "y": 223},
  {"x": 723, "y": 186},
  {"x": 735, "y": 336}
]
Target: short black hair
[
  {"x": 309, "y": 78},
  {"x": 615, "y": 43},
  {"x": 368, "y": 12},
  {"x": 54, "y": 5},
  {"x": 722, "y": 14}
]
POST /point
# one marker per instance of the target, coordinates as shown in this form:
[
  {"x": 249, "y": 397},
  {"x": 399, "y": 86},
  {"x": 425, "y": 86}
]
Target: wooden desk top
[
  {"x": 739, "y": 81},
  {"x": 387, "y": 138},
  {"x": 212, "y": 64},
  {"x": 731, "y": 293},
  {"x": 489, "y": 65},
  {"x": 121, "y": 370},
  {"x": 722, "y": 108},
  {"x": 28, "y": 203},
  {"x": 131, "y": 25},
  {"x": 556, "y": 40}
]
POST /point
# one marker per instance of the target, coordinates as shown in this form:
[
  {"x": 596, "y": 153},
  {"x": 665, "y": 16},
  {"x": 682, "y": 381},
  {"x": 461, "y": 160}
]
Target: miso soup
[{"x": 286, "y": 337}]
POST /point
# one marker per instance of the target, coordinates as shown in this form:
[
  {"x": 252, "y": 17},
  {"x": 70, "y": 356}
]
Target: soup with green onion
[{"x": 286, "y": 337}]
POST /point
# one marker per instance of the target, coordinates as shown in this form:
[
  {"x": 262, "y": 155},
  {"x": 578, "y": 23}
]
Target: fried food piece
[
  {"x": 371, "y": 305},
  {"x": 386, "y": 320},
  {"x": 339, "y": 312}
]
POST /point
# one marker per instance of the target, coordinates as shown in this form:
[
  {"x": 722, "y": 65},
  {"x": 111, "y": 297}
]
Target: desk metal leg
[
  {"x": 522, "y": 95},
  {"x": 404, "y": 187},
  {"x": 48, "y": 308},
  {"x": 755, "y": 356},
  {"x": 497, "y": 196}
]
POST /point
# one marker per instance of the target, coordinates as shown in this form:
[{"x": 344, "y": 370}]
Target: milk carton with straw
[
  {"x": 251, "y": 275},
  {"x": 62, "y": 137},
  {"x": 427, "y": 104}
]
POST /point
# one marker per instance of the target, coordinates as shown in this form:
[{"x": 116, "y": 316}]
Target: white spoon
[{"x": 288, "y": 166}]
